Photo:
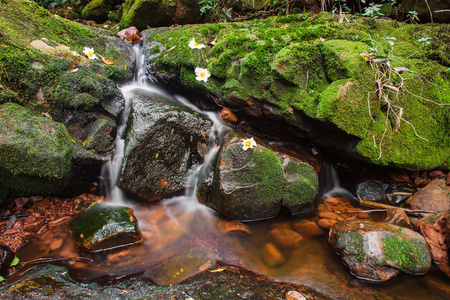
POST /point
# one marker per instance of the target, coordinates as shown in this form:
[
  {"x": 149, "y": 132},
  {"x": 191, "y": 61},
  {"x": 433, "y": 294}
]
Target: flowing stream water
[{"x": 183, "y": 237}]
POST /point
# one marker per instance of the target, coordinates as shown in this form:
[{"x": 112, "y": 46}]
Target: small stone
[
  {"x": 294, "y": 295},
  {"x": 130, "y": 34},
  {"x": 33, "y": 224},
  {"x": 56, "y": 244},
  {"x": 328, "y": 215},
  {"x": 326, "y": 223},
  {"x": 308, "y": 228},
  {"x": 286, "y": 238},
  {"x": 271, "y": 256},
  {"x": 331, "y": 201},
  {"x": 20, "y": 202},
  {"x": 228, "y": 116},
  {"x": 435, "y": 173},
  {"x": 227, "y": 226},
  {"x": 396, "y": 216}
]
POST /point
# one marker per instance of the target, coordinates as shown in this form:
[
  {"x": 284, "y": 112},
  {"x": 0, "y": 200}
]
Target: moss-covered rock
[
  {"x": 378, "y": 251},
  {"x": 33, "y": 149},
  {"x": 156, "y": 13},
  {"x": 310, "y": 66},
  {"x": 98, "y": 10},
  {"x": 44, "y": 69},
  {"x": 257, "y": 182},
  {"x": 102, "y": 227}
]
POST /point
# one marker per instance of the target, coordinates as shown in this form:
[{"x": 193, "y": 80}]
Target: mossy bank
[
  {"x": 382, "y": 83},
  {"x": 43, "y": 71}
]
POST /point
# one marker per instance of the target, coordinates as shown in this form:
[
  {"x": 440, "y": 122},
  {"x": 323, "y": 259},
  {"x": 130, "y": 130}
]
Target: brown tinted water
[{"x": 183, "y": 238}]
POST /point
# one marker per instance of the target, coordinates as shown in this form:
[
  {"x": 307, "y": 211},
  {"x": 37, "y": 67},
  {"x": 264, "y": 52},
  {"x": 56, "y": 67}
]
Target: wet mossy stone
[
  {"x": 379, "y": 251},
  {"x": 309, "y": 68},
  {"x": 35, "y": 151},
  {"x": 255, "y": 183},
  {"x": 103, "y": 227}
]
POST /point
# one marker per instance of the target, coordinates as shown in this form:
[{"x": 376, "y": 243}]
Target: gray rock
[
  {"x": 379, "y": 251},
  {"x": 161, "y": 146}
]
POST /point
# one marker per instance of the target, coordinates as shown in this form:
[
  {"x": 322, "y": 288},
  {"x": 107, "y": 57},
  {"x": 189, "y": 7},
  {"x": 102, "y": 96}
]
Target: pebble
[
  {"x": 286, "y": 238},
  {"x": 271, "y": 256}
]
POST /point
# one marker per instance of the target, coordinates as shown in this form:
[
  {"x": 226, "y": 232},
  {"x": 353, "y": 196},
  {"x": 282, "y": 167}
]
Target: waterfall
[{"x": 111, "y": 169}]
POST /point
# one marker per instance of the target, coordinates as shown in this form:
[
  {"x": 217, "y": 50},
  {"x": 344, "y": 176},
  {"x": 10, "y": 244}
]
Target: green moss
[
  {"x": 408, "y": 255},
  {"x": 301, "y": 184},
  {"x": 354, "y": 246}
]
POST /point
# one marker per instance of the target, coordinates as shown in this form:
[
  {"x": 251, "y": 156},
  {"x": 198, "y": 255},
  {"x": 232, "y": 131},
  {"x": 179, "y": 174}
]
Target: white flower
[
  {"x": 194, "y": 45},
  {"x": 249, "y": 143},
  {"x": 202, "y": 74},
  {"x": 89, "y": 52}
]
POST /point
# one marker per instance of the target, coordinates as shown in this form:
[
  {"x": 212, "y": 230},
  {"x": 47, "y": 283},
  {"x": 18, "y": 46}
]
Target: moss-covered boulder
[
  {"x": 35, "y": 152},
  {"x": 98, "y": 10},
  {"x": 255, "y": 183},
  {"x": 162, "y": 143},
  {"x": 156, "y": 13},
  {"x": 103, "y": 227},
  {"x": 43, "y": 68},
  {"x": 370, "y": 89},
  {"x": 378, "y": 251}
]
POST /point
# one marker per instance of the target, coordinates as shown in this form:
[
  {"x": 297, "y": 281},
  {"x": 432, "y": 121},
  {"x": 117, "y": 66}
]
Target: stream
[{"x": 183, "y": 238}]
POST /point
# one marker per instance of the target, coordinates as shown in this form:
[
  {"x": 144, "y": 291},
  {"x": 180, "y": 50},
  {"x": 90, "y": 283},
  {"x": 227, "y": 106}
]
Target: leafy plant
[
  {"x": 373, "y": 10},
  {"x": 217, "y": 10}
]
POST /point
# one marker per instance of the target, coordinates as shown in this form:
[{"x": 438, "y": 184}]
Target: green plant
[
  {"x": 412, "y": 16},
  {"x": 217, "y": 10},
  {"x": 56, "y": 3},
  {"x": 373, "y": 10}
]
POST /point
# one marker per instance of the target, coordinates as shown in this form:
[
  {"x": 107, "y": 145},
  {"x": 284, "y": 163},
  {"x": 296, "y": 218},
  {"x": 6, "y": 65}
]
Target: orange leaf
[
  {"x": 203, "y": 134},
  {"x": 163, "y": 182},
  {"x": 73, "y": 64},
  {"x": 84, "y": 143},
  {"x": 108, "y": 62}
]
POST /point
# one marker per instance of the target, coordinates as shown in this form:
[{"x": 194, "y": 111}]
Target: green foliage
[
  {"x": 373, "y": 10},
  {"x": 56, "y": 3},
  {"x": 216, "y": 10}
]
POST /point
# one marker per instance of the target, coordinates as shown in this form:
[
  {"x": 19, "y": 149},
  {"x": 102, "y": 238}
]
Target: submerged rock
[
  {"x": 103, "y": 227},
  {"x": 435, "y": 229},
  {"x": 434, "y": 197},
  {"x": 161, "y": 146},
  {"x": 379, "y": 251},
  {"x": 255, "y": 183}
]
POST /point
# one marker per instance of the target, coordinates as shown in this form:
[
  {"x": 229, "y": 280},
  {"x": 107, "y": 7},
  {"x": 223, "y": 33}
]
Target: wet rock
[
  {"x": 160, "y": 146},
  {"x": 435, "y": 230},
  {"x": 294, "y": 295},
  {"x": 255, "y": 183},
  {"x": 308, "y": 228},
  {"x": 271, "y": 256},
  {"x": 434, "y": 197},
  {"x": 286, "y": 238},
  {"x": 130, "y": 34},
  {"x": 102, "y": 227},
  {"x": 398, "y": 194},
  {"x": 372, "y": 190},
  {"x": 227, "y": 226},
  {"x": 378, "y": 251},
  {"x": 227, "y": 115},
  {"x": 6, "y": 258},
  {"x": 396, "y": 216}
]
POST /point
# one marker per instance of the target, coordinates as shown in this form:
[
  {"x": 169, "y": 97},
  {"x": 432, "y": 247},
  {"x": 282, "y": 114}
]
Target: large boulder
[
  {"x": 98, "y": 10},
  {"x": 255, "y": 183},
  {"x": 35, "y": 152},
  {"x": 312, "y": 73},
  {"x": 379, "y": 251},
  {"x": 163, "y": 142},
  {"x": 157, "y": 13}
]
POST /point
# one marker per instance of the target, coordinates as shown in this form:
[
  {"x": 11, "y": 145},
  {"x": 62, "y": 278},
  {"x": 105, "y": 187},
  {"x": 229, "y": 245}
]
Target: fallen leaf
[
  {"x": 284, "y": 26},
  {"x": 203, "y": 134},
  {"x": 218, "y": 270},
  {"x": 163, "y": 182},
  {"x": 73, "y": 64},
  {"x": 171, "y": 49},
  {"x": 108, "y": 62},
  {"x": 322, "y": 39},
  {"x": 84, "y": 143},
  {"x": 74, "y": 70}
]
